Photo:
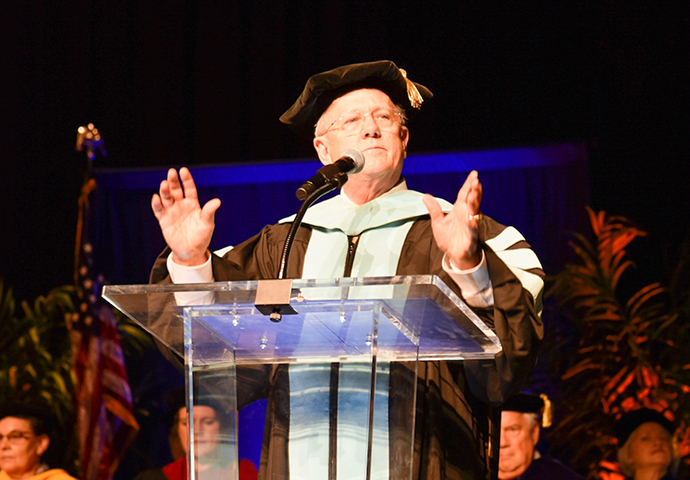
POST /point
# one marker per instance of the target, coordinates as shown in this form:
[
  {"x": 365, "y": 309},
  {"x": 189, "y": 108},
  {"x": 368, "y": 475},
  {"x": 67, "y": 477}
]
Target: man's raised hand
[
  {"x": 456, "y": 233},
  {"x": 187, "y": 228}
]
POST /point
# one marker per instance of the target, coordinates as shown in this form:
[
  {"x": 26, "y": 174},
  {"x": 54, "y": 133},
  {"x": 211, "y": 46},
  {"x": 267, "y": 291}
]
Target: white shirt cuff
[
  {"x": 197, "y": 274},
  {"x": 474, "y": 283}
]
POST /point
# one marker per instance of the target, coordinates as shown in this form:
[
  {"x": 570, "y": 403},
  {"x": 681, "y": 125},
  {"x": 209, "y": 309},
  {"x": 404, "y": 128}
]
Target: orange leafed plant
[{"x": 626, "y": 354}]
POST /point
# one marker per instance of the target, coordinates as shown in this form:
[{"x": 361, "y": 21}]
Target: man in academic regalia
[
  {"x": 521, "y": 419},
  {"x": 376, "y": 227}
]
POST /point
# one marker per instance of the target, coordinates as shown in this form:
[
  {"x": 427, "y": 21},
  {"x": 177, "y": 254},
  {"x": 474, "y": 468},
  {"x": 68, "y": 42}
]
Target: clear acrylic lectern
[{"x": 367, "y": 322}]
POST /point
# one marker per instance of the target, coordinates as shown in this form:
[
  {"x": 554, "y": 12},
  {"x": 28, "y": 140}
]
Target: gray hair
[{"x": 532, "y": 419}]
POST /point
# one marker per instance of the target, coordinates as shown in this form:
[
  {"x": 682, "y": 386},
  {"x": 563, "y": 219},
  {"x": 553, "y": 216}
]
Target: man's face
[
  {"x": 20, "y": 449},
  {"x": 383, "y": 145},
  {"x": 518, "y": 442}
]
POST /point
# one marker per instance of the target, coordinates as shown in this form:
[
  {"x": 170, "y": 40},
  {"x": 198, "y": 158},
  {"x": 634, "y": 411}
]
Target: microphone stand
[
  {"x": 336, "y": 182},
  {"x": 273, "y": 296}
]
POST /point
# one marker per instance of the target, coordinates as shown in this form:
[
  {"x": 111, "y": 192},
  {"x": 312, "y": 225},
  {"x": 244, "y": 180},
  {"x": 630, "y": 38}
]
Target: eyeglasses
[
  {"x": 16, "y": 437},
  {"x": 353, "y": 122}
]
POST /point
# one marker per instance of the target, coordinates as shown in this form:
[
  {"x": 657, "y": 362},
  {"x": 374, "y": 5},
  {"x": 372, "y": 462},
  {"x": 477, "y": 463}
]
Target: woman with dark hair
[
  {"x": 645, "y": 440},
  {"x": 24, "y": 441}
]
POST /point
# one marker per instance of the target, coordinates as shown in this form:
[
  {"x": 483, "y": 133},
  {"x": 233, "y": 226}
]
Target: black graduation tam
[
  {"x": 524, "y": 403},
  {"x": 175, "y": 399},
  {"x": 321, "y": 89},
  {"x": 39, "y": 412},
  {"x": 629, "y": 422}
]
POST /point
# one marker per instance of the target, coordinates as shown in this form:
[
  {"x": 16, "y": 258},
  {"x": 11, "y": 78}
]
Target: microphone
[{"x": 351, "y": 161}]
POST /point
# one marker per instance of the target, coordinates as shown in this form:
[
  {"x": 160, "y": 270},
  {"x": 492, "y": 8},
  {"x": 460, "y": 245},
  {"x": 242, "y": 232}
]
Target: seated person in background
[
  {"x": 520, "y": 426},
  {"x": 24, "y": 440},
  {"x": 645, "y": 441},
  {"x": 208, "y": 443}
]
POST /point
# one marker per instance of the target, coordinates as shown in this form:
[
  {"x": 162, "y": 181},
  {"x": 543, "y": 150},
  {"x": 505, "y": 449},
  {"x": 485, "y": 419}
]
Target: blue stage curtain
[{"x": 540, "y": 190}]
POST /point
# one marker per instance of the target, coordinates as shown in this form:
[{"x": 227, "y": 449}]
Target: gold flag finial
[
  {"x": 412, "y": 92},
  {"x": 89, "y": 139},
  {"x": 548, "y": 413}
]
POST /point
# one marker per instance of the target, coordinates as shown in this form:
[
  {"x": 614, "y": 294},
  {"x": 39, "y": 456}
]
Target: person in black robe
[
  {"x": 519, "y": 458},
  {"x": 490, "y": 266}
]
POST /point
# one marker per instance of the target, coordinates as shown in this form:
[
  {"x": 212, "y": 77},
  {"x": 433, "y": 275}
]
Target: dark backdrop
[
  {"x": 182, "y": 82},
  {"x": 530, "y": 190}
]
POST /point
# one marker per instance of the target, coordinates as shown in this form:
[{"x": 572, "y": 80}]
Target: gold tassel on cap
[
  {"x": 548, "y": 414},
  {"x": 412, "y": 92}
]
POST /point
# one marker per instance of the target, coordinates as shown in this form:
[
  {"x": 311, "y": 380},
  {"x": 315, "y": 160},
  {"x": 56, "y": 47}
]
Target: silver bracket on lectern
[{"x": 273, "y": 298}]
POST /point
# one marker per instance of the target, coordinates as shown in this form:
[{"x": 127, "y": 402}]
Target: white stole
[{"x": 382, "y": 225}]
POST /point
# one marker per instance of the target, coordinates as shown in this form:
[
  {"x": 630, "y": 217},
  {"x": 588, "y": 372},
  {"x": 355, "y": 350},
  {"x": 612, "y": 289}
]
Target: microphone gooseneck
[{"x": 350, "y": 162}]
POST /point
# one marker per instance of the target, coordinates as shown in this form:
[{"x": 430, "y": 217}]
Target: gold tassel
[
  {"x": 413, "y": 94},
  {"x": 548, "y": 414}
]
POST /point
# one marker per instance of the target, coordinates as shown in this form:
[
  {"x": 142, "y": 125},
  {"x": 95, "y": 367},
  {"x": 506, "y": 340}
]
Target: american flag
[{"x": 103, "y": 400}]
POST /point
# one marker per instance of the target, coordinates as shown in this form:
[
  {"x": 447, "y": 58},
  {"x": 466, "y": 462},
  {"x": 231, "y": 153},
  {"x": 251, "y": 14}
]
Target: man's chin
[{"x": 510, "y": 473}]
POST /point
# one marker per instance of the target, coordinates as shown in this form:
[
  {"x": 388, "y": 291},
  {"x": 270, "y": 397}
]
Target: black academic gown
[
  {"x": 546, "y": 468},
  {"x": 456, "y": 429}
]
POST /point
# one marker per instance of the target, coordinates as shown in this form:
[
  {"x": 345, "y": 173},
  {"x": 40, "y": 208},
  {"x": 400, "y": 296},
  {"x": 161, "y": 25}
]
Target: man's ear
[
  {"x": 43, "y": 442},
  {"x": 405, "y": 137},
  {"x": 323, "y": 149},
  {"x": 535, "y": 434}
]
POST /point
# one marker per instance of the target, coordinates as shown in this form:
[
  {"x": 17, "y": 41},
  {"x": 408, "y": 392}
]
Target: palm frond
[{"x": 631, "y": 353}]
